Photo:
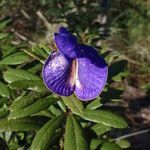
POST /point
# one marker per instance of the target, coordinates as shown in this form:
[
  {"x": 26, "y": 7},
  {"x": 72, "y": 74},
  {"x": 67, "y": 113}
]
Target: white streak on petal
[{"x": 77, "y": 83}]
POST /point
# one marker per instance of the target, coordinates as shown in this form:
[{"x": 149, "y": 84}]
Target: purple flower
[{"x": 74, "y": 68}]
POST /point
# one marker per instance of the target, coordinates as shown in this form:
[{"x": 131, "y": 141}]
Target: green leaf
[
  {"x": 4, "y": 23},
  {"x": 119, "y": 76},
  {"x": 14, "y": 145},
  {"x": 55, "y": 111},
  {"x": 110, "y": 146},
  {"x": 34, "y": 85},
  {"x": 95, "y": 104},
  {"x": 47, "y": 113},
  {"x": 3, "y": 100},
  {"x": 74, "y": 104},
  {"x": 29, "y": 53},
  {"x": 3, "y": 35},
  {"x": 25, "y": 101},
  {"x": 15, "y": 59},
  {"x": 4, "y": 113},
  {"x": 18, "y": 74},
  {"x": 34, "y": 108},
  {"x": 100, "y": 128},
  {"x": 22, "y": 124},
  {"x": 36, "y": 68},
  {"x": 39, "y": 51},
  {"x": 111, "y": 94},
  {"x": 105, "y": 117},
  {"x": 117, "y": 67},
  {"x": 123, "y": 143},
  {"x": 62, "y": 105},
  {"x": 4, "y": 90},
  {"x": 74, "y": 138},
  {"x": 95, "y": 143},
  {"x": 45, "y": 47},
  {"x": 8, "y": 49},
  {"x": 110, "y": 56},
  {"x": 44, "y": 136}
]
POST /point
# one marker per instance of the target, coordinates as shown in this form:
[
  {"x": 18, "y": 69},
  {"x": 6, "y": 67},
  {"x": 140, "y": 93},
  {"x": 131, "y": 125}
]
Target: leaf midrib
[{"x": 81, "y": 112}]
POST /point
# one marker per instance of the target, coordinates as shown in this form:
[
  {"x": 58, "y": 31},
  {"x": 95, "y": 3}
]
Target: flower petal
[
  {"x": 66, "y": 42},
  {"x": 58, "y": 74},
  {"x": 63, "y": 30},
  {"x": 91, "y": 73}
]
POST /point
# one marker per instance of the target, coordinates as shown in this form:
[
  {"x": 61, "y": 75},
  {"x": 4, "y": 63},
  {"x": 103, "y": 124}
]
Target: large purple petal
[
  {"x": 58, "y": 74},
  {"x": 91, "y": 73}
]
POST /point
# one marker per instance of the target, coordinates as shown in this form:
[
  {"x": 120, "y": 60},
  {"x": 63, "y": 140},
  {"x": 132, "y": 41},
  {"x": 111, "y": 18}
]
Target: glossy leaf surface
[
  {"x": 34, "y": 108},
  {"x": 105, "y": 117},
  {"x": 22, "y": 124},
  {"x": 44, "y": 136},
  {"x": 74, "y": 138},
  {"x": 74, "y": 104},
  {"x": 12, "y": 75}
]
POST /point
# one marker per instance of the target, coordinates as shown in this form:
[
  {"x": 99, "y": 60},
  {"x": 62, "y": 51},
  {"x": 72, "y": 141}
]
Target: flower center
[
  {"x": 73, "y": 73},
  {"x": 78, "y": 84}
]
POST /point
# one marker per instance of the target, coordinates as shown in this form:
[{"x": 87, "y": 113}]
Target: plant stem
[{"x": 132, "y": 134}]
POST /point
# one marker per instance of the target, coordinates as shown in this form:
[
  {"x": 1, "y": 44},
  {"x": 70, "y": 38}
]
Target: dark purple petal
[
  {"x": 66, "y": 43},
  {"x": 58, "y": 74},
  {"x": 91, "y": 73},
  {"x": 63, "y": 30}
]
